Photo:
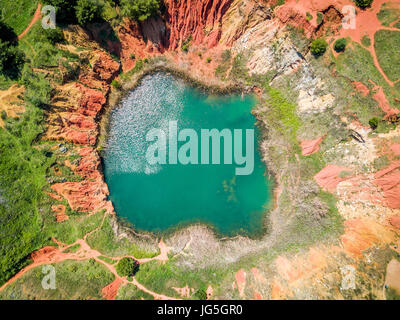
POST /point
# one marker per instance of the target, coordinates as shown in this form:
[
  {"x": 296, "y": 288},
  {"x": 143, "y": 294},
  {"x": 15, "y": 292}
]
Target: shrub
[
  {"x": 363, "y": 3},
  {"x": 132, "y": 56},
  {"x": 208, "y": 59},
  {"x": 139, "y": 9},
  {"x": 374, "y": 123},
  {"x": 320, "y": 17},
  {"x": 309, "y": 16},
  {"x": 54, "y": 36},
  {"x": 7, "y": 34},
  {"x": 116, "y": 84},
  {"x": 201, "y": 294},
  {"x": 126, "y": 267},
  {"x": 340, "y": 45},
  {"x": 11, "y": 60},
  {"x": 88, "y": 11},
  {"x": 65, "y": 10},
  {"x": 318, "y": 47},
  {"x": 38, "y": 89}
]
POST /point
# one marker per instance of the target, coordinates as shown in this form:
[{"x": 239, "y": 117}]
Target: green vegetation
[
  {"x": 381, "y": 163},
  {"x": 388, "y": 15},
  {"x": 387, "y": 47},
  {"x": 116, "y": 84},
  {"x": 309, "y": 16},
  {"x": 139, "y": 9},
  {"x": 392, "y": 294},
  {"x": 208, "y": 59},
  {"x": 88, "y": 11},
  {"x": 75, "y": 280},
  {"x": 186, "y": 43},
  {"x": 131, "y": 292},
  {"x": 282, "y": 115},
  {"x": 363, "y": 3},
  {"x": 126, "y": 267},
  {"x": 374, "y": 123},
  {"x": 366, "y": 41},
  {"x": 201, "y": 294},
  {"x": 318, "y": 47},
  {"x": 65, "y": 10},
  {"x": 320, "y": 18},
  {"x": 340, "y": 45},
  {"x": 11, "y": 58},
  {"x": 17, "y": 13}
]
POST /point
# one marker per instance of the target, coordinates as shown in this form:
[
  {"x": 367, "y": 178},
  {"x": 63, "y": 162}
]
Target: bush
[
  {"x": 318, "y": 47},
  {"x": 374, "y": 123},
  {"x": 11, "y": 60},
  {"x": 54, "y": 36},
  {"x": 88, "y": 11},
  {"x": 116, "y": 84},
  {"x": 208, "y": 60},
  {"x": 126, "y": 267},
  {"x": 139, "y": 9},
  {"x": 7, "y": 34},
  {"x": 363, "y": 3},
  {"x": 38, "y": 89},
  {"x": 65, "y": 10},
  {"x": 201, "y": 294},
  {"x": 340, "y": 45}
]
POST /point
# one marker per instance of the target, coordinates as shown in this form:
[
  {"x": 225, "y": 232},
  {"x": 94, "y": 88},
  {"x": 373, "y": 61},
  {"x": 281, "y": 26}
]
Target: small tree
[
  {"x": 65, "y": 10},
  {"x": 363, "y": 3},
  {"x": 126, "y": 267},
  {"x": 340, "y": 45},
  {"x": 88, "y": 11},
  {"x": 374, "y": 123},
  {"x": 139, "y": 9},
  {"x": 318, "y": 47}
]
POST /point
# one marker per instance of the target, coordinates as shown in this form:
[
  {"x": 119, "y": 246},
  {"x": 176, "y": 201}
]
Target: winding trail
[
  {"x": 51, "y": 255},
  {"x": 35, "y": 18}
]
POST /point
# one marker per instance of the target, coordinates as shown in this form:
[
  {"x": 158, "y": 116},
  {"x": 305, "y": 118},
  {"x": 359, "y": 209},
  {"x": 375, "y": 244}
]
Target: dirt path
[
  {"x": 35, "y": 18},
  {"x": 51, "y": 255}
]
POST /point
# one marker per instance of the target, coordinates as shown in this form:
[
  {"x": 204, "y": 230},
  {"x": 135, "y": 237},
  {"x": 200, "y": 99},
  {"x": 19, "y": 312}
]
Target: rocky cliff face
[{"x": 200, "y": 19}]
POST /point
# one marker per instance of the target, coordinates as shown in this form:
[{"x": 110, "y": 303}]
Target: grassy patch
[
  {"x": 387, "y": 47},
  {"x": 74, "y": 281},
  {"x": 18, "y": 13},
  {"x": 388, "y": 15},
  {"x": 104, "y": 241}
]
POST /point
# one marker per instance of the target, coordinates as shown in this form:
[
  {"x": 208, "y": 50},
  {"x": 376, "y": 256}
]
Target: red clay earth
[
  {"x": 35, "y": 18},
  {"x": 328, "y": 178},
  {"x": 310, "y": 146}
]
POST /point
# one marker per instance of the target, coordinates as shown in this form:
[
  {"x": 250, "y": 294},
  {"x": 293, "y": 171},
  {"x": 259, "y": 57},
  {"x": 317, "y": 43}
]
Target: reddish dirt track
[{"x": 35, "y": 18}]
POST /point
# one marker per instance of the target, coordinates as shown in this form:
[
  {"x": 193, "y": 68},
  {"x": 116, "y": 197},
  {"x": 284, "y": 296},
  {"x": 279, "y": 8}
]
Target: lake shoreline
[{"x": 134, "y": 81}]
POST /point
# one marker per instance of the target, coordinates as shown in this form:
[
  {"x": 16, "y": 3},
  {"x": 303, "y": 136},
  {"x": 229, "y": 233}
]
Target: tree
[
  {"x": 127, "y": 267},
  {"x": 363, "y": 3},
  {"x": 65, "y": 10},
  {"x": 318, "y": 47},
  {"x": 340, "y": 45},
  {"x": 88, "y": 11},
  {"x": 139, "y": 9},
  {"x": 374, "y": 123},
  {"x": 7, "y": 34}
]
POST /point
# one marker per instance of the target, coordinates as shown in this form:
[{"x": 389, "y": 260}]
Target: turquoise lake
[{"x": 160, "y": 197}]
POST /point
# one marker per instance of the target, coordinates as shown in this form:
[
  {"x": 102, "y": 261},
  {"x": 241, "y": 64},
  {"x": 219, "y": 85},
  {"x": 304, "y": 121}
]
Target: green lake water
[{"x": 157, "y": 197}]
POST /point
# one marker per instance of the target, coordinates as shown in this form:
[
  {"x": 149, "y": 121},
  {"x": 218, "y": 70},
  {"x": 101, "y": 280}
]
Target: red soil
[
  {"x": 395, "y": 149},
  {"x": 111, "y": 291},
  {"x": 240, "y": 277},
  {"x": 194, "y": 17},
  {"x": 35, "y": 18},
  {"x": 362, "y": 88},
  {"x": 328, "y": 178},
  {"x": 60, "y": 214},
  {"x": 389, "y": 181},
  {"x": 310, "y": 146}
]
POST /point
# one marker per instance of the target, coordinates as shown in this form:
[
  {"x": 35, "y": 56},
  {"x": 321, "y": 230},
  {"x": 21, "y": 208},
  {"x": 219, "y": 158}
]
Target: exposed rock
[
  {"x": 310, "y": 146},
  {"x": 328, "y": 178},
  {"x": 200, "y": 19}
]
